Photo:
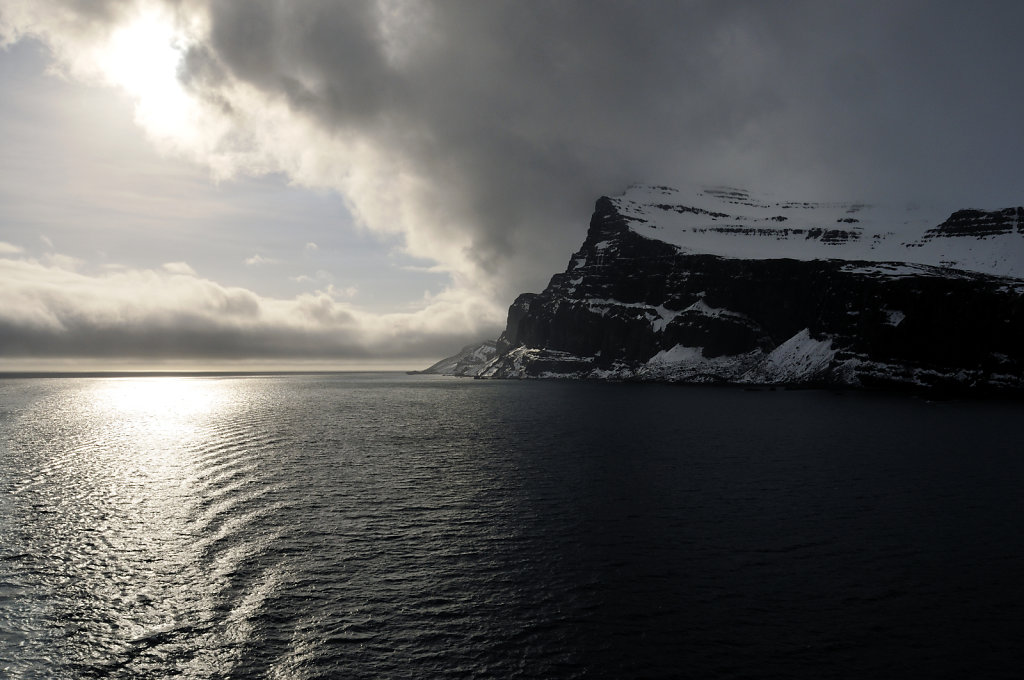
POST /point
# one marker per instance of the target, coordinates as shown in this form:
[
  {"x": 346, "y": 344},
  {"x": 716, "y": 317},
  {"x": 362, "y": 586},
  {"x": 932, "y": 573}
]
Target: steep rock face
[{"x": 633, "y": 306}]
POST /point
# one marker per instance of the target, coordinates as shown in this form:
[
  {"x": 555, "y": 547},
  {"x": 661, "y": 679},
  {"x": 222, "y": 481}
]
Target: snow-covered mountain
[
  {"x": 735, "y": 223},
  {"x": 469, "y": 361},
  {"x": 717, "y": 285}
]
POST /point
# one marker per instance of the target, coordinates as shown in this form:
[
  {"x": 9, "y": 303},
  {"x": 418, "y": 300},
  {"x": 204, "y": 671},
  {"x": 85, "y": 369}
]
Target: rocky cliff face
[{"x": 647, "y": 298}]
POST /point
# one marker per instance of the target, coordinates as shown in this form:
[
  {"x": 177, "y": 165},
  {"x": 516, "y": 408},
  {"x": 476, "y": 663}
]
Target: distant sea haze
[{"x": 392, "y": 526}]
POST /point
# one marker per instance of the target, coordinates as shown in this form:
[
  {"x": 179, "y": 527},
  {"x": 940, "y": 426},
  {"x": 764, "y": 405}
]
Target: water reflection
[
  {"x": 160, "y": 409},
  {"x": 104, "y": 493},
  {"x": 311, "y": 526}
]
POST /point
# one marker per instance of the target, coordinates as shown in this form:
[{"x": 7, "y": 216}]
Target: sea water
[{"x": 392, "y": 526}]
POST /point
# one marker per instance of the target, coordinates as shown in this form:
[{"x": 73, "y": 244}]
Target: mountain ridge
[{"x": 689, "y": 292}]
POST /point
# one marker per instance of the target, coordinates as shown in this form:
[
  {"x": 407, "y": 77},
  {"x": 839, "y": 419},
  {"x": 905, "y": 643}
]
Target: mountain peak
[
  {"x": 720, "y": 285},
  {"x": 735, "y": 222}
]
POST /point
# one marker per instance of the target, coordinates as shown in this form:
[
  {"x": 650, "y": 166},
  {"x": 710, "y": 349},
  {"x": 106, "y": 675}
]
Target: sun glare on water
[
  {"x": 162, "y": 408},
  {"x": 143, "y": 58}
]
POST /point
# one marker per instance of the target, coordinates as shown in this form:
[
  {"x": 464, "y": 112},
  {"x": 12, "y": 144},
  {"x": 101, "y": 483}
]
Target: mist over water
[{"x": 382, "y": 525}]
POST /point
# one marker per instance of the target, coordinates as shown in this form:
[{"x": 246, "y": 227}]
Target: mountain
[
  {"x": 717, "y": 285},
  {"x": 737, "y": 224},
  {"x": 468, "y": 362}
]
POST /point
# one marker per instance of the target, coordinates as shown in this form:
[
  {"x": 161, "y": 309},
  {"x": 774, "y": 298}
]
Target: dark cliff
[{"x": 633, "y": 307}]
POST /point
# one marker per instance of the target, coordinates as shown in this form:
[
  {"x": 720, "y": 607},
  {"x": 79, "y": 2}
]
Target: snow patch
[
  {"x": 665, "y": 317},
  {"x": 798, "y": 359},
  {"x": 678, "y": 355},
  {"x": 894, "y": 317},
  {"x": 704, "y": 309}
]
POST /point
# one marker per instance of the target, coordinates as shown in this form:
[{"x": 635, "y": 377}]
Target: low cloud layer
[
  {"x": 53, "y": 309},
  {"x": 482, "y": 132}
]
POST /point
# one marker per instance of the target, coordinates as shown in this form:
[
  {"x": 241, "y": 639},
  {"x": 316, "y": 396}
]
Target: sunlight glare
[
  {"x": 143, "y": 58},
  {"x": 163, "y": 407}
]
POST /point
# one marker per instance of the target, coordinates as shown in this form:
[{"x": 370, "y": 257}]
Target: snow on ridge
[
  {"x": 733, "y": 222},
  {"x": 704, "y": 309},
  {"x": 660, "y": 315},
  {"x": 688, "y": 364},
  {"x": 468, "y": 361},
  {"x": 800, "y": 358}
]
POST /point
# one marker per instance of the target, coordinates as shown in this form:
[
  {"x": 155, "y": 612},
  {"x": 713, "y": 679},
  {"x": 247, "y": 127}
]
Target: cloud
[
  {"x": 9, "y": 249},
  {"x": 481, "y": 133},
  {"x": 258, "y": 259},
  {"x": 321, "y": 276},
  {"x": 170, "y": 313},
  {"x": 64, "y": 262},
  {"x": 311, "y": 246},
  {"x": 347, "y": 292},
  {"x": 181, "y": 268}
]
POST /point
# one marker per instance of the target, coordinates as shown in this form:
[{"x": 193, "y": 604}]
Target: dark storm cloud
[
  {"x": 482, "y": 133},
  {"x": 522, "y": 113}
]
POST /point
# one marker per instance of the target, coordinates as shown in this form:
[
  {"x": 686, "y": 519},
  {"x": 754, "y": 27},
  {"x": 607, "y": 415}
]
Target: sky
[{"x": 321, "y": 184}]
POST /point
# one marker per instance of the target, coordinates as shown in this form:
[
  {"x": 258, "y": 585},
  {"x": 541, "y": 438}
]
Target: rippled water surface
[{"x": 391, "y": 526}]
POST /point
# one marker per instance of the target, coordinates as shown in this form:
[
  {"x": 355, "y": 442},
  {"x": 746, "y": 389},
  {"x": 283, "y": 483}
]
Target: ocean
[{"x": 378, "y": 525}]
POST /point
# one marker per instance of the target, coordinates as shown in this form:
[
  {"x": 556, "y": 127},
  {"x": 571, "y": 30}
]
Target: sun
[{"x": 143, "y": 58}]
